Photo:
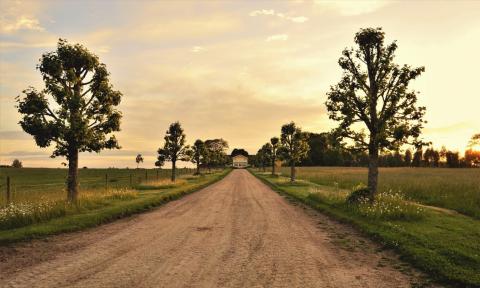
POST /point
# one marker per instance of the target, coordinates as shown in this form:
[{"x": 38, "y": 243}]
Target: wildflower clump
[
  {"x": 21, "y": 214},
  {"x": 388, "y": 205}
]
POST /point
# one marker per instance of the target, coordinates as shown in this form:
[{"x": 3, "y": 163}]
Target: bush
[{"x": 359, "y": 195}]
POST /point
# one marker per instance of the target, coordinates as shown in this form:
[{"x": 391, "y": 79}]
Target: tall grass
[
  {"x": 25, "y": 213},
  {"x": 456, "y": 189}
]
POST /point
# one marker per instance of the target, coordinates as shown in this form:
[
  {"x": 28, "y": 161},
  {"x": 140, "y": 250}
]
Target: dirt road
[{"x": 235, "y": 233}]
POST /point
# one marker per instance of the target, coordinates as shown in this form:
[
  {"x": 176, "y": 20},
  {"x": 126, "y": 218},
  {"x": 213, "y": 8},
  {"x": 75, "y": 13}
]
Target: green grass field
[
  {"x": 38, "y": 184},
  {"x": 455, "y": 189},
  {"x": 442, "y": 243}
]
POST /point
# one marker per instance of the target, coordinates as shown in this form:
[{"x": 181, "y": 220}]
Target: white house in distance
[{"x": 239, "y": 161}]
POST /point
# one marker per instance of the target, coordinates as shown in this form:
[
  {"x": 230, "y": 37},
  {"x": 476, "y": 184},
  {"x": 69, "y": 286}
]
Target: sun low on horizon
[{"x": 236, "y": 70}]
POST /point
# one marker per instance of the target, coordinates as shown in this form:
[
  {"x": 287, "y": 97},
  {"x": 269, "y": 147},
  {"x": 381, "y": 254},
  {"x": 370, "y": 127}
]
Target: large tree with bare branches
[
  {"x": 76, "y": 110},
  {"x": 374, "y": 94}
]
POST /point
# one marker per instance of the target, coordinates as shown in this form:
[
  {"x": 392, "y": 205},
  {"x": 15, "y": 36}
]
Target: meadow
[
  {"x": 40, "y": 184},
  {"x": 455, "y": 189}
]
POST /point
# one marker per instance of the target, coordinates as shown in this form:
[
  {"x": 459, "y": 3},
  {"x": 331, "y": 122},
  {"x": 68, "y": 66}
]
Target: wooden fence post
[
  {"x": 106, "y": 181},
  {"x": 146, "y": 175},
  {"x": 8, "y": 190},
  {"x": 157, "y": 174}
]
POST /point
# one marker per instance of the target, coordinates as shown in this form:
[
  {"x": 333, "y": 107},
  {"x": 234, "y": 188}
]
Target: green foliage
[
  {"x": 294, "y": 145},
  {"x": 377, "y": 95},
  {"x": 84, "y": 111},
  {"x": 139, "y": 159},
  {"x": 77, "y": 109},
  {"x": 374, "y": 91},
  {"x": 215, "y": 153},
  {"x": 358, "y": 195},
  {"x": 197, "y": 153},
  {"x": 17, "y": 163},
  {"x": 240, "y": 151},
  {"x": 174, "y": 148}
]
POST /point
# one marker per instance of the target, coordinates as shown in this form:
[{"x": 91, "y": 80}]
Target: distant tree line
[{"x": 326, "y": 149}]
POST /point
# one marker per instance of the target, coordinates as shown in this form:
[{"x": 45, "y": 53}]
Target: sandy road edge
[{"x": 91, "y": 219}]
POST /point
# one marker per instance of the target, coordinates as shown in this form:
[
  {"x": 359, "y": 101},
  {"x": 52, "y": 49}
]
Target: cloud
[
  {"x": 277, "y": 37},
  {"x": 350, "y": 7},
  {"x": 271, "y": 12},
  {"x": 197, "y": 49},
  {"x": 19, "y": 16}
]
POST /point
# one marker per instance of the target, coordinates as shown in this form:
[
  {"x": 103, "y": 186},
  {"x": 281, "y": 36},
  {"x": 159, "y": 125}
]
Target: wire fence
[{"x": 30, "y": 185}]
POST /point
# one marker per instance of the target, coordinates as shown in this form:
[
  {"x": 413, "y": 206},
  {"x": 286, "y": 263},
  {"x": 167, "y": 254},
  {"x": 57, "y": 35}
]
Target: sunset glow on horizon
[{"x": 236, "y": 70}]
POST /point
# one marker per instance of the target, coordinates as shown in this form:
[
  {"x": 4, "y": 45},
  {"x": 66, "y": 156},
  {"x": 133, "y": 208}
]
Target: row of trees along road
[
  {"x": 373, "y": 104},
  {"x": 292, "y": 147},
  {"x": 77, "y": 112},
  {"x": 209, "y": 153}
]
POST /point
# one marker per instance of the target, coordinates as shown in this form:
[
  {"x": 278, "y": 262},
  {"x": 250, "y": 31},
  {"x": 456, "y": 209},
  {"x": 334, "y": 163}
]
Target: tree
[
  {"x": 197, "y": 154},
  {"x": 174, "y": 148},
  {"x": 472, "y": 158},
  {"x": 139, "y": 159},
  {"x": 408, "y": 158},
  {"x": 215, "y": 154},
  {"x": 237, "y": 151},
  {"x": 474, "y": 141},
  {"x": 417, "y": 158},
  {"x": 265, "y": 155},
  {"x": 294, "y": 146},
  {"x": 275, "y": 143},
  {"x": 376, "y": 96},
  {"x": 17, "y": 163},
  {"x": 453, "y": 159},
  {"x": 76, "y": 110}
]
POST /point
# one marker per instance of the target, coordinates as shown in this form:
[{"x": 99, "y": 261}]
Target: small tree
[
  {"x": 84, "y": 112},
  {"x": 474, "y": 141},
  {"x": 174, "y": 148},
  {"x": 376, "y": 96},
  {"x": 265, "y": 155},
  {"x": 408, "y": 158},
  {"x": 17, "y": 163},
  {"x": 139, "y": 159},
  {"x": 197, "y": 154},
  {"x": 275, "y": 142},
  {"x": 294, "y": 146}
]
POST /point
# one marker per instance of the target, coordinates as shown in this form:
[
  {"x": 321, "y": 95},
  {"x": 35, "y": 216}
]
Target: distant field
[
  {"x": 456, "y": 189},
  {"x": 35, "y": 184}
]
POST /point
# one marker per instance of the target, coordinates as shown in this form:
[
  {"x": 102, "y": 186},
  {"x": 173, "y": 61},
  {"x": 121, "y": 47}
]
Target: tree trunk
[
  {"x": 72, "y": 178},
  {"x": 373, "y": 173},
  {"x": 273, "y": 166},
  {"x": 198, "y": 169},
  {"x": 174, "y": 171},
  {"x": 292, "y": 172}
]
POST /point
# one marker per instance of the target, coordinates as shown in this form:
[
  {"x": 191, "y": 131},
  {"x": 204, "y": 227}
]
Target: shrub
[{"x": 360, "y": 194}]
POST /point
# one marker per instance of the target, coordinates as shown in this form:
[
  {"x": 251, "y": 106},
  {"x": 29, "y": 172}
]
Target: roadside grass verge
[
  {"x": 444, "y": 245},
  {"x": 93, "y": 212},
  {"x": 452, "y": 188}
]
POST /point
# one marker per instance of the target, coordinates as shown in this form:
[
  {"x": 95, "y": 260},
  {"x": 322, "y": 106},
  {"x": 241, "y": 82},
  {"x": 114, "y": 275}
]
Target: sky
[{"x": 236, "y": 70}]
